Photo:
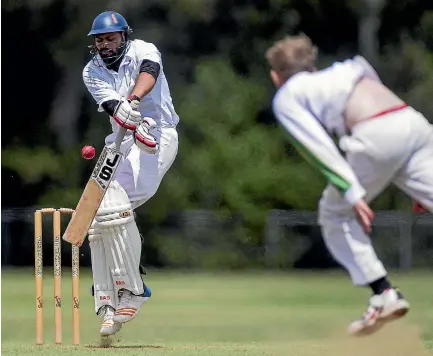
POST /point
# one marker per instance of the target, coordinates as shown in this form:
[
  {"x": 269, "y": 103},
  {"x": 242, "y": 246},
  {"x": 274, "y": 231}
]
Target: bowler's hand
[{"x": 364, "y": 215}]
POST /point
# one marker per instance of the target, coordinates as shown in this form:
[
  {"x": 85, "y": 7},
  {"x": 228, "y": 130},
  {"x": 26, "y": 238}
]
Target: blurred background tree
[{"x": 233, "y": 158}]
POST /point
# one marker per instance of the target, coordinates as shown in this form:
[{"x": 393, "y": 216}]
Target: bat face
[{"x": 92, "y": 196}]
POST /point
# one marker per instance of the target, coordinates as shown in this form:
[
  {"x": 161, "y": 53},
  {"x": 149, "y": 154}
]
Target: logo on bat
[{"x": 105, "y": 167}]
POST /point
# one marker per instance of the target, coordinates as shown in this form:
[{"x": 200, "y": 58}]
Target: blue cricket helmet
[{"x": 109, "y": 21}]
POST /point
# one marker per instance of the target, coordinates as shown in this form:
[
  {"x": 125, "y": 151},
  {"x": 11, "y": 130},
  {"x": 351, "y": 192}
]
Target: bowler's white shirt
[
  {"x": 310, "y": 106},
  {"x": 324, "y": 93},
  {"x": 106, "y": 84}
]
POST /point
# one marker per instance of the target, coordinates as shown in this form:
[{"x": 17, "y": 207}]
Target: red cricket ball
[{"x": 88, "y": 152}]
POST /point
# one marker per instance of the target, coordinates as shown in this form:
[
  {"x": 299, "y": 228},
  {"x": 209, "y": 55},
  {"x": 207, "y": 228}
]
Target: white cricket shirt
[
  {"x": 310, "y": 106},
  {"x": 106, "y": 84}
]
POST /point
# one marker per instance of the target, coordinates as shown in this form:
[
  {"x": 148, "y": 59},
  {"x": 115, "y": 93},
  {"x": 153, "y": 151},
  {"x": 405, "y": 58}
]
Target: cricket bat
[{"x": 91, "y": 198}]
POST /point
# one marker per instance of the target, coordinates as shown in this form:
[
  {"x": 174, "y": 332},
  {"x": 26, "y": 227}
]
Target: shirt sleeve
[
  {"x": 316, "y": 146},
  {"x": 100, "y": 89},
  {"x": 148, "y": 51}
]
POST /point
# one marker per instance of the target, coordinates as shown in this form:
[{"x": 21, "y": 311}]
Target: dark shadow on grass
[{"x": 124, "y": 346}]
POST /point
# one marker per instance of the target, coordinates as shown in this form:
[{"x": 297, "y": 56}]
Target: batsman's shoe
[
  {"x": 109, "y": 326},
  {"x": 388, "y": 306},
  {"x": 130, "y": 304}
]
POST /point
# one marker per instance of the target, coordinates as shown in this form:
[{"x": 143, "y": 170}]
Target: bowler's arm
[{"x": 316, "y": 146}]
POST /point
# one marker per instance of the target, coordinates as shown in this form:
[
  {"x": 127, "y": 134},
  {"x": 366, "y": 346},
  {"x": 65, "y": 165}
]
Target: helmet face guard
[{"x": 109, "y": 22}]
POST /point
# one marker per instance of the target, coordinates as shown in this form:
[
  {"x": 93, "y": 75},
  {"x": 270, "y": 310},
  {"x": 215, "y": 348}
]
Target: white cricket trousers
[
  {"x": 396, "y": 148},
  {"x": 141, "y": 173}
]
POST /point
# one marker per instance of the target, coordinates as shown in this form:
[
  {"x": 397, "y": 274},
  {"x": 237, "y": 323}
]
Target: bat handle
[{"x": 119, "y": 138}]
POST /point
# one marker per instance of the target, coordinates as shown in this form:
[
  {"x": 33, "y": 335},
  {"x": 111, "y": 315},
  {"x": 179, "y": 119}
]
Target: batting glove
[
  {"x": 144, "y": 139},
  {"x": 126, "y": 116}
]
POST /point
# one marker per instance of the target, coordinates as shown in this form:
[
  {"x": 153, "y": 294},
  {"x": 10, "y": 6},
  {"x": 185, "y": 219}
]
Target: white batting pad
[
  {"x": 121, "y": 241},
  {"x": 125, "y": 269},
  {"x": 104, "y": 292}
]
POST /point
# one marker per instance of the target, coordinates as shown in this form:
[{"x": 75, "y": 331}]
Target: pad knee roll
[{"x": 115, "y": 208}]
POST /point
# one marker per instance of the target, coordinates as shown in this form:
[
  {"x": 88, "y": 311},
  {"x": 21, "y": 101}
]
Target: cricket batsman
[
  {"x": 126, "y": 79},
  {"x": 362, "y": 138}
]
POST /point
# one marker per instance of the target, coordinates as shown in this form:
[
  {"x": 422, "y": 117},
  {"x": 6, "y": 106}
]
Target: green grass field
[{"x": 255, "y": 313}]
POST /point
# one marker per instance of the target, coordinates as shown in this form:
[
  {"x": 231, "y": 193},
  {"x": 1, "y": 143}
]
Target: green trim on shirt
[{"x": 339, "y": 182}]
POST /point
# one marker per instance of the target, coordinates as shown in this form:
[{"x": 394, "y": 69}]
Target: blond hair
[{"x": 291, "y": 55}]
